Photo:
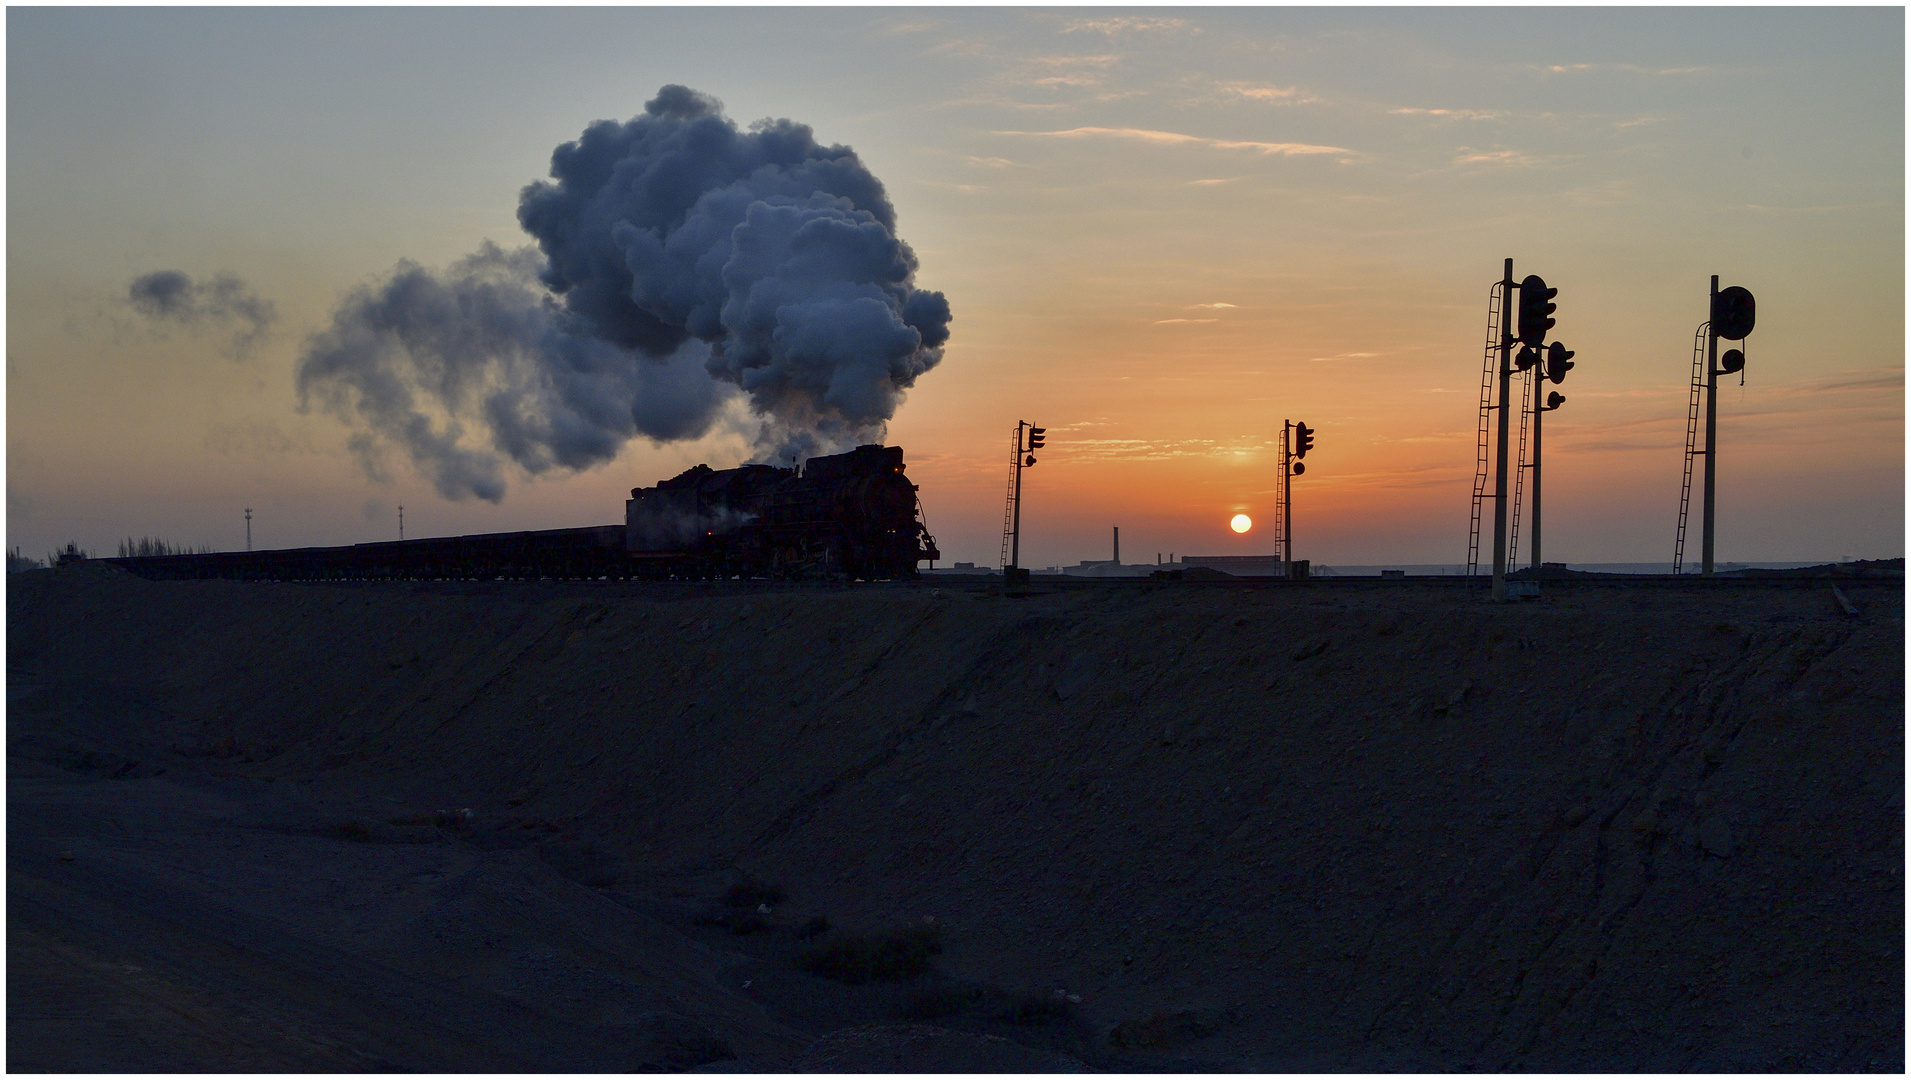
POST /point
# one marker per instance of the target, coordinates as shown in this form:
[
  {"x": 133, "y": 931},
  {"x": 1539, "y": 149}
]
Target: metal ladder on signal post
[
  {"x": 1482, "y": 455},
  {"x": 1691, "y": 441},
  {"x": 1008, "y": 514},
  {"x": 1525, "y": 390},
  {"x": 1280, "y": 504}
]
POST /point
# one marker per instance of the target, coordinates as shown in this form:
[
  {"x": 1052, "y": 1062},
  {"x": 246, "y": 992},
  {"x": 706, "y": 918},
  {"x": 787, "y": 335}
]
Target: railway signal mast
[
  {"x": 1536, "y": 358},
  {"x": 1028, "y": 439},
  {"x": 1300, "y": 438},
  {"x": 1733, "y": 314},
  {"x": 1536, "y": 310}
]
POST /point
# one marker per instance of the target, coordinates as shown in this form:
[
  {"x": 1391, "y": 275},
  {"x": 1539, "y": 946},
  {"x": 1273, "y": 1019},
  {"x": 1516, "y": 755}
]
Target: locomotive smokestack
[{"x": 680, "y": 263}]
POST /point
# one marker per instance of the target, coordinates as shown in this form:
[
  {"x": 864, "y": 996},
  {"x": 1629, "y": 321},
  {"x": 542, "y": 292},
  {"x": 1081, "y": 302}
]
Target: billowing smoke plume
[
  {"x": 680, "y": 262},
  {"x": 424, "y": 359},
  {"x": 173, "y": 296}
]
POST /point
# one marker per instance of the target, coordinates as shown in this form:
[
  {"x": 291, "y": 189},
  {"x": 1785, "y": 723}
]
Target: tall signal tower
[
  {"x": 1506, "y": 384},
  {"x": 1296, "y": 440},
  {"x": 1732, "y": 315},
  {"x": 248, "y": 528},
  {"x": 1537, "y": 362},
  {"x": 1027, "y": 439}
]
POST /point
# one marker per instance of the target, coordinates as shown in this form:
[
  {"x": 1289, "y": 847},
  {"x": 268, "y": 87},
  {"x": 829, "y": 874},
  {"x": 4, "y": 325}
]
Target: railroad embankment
[{"x": 1365, "y": 826}]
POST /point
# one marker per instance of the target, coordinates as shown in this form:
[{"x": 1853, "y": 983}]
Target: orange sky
[{"x": 1161, "y": 233}]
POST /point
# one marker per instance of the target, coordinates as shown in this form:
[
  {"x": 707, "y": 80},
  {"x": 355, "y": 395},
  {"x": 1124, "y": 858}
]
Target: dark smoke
[
  {"x": 172, "y": 296},
  {"x": 682, "y": 261}
]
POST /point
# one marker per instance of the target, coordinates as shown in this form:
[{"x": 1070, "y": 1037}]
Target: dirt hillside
[{"x": 1131, "y": 826}]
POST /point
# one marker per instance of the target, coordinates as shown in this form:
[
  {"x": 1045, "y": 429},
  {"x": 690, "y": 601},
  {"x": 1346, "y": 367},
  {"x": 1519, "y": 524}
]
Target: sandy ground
[{"x": 1339, "y": 826}]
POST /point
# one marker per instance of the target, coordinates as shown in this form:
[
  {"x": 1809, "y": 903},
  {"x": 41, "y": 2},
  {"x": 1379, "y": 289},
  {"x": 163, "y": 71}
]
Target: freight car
[{"x": 850, "y": 515}]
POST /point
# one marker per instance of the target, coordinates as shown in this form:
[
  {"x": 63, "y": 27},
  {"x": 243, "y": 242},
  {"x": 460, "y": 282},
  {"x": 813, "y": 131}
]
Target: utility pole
[
  {"x": 1711, "y": 420},
  {"x": 248, "y": 528},
  {"x": 1499, "y": 483},
  {"x": 401, "y": 521}
]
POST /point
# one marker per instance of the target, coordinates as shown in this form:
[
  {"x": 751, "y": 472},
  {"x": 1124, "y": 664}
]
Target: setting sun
[{"x": 1241, "y": 523}]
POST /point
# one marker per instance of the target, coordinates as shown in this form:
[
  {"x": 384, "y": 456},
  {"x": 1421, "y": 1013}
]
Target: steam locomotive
[{"x": 850, "y": 515}]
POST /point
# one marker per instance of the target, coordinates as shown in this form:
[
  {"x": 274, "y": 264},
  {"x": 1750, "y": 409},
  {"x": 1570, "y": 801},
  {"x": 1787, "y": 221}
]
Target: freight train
[{"x": 852, "y": 515}]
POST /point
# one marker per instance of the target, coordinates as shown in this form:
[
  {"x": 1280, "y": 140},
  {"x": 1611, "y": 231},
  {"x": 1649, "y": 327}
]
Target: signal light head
[
  {"x": 1732, "y": 361},
  {"x": 1526, "y": 358},
  {"x": 1559, "y": 360},
  {"x": 1030, "y": 460},
  {"x": 1555, "y": 399},
  {"x": 1734, "y": 313},
  {"x": 1303, "y": 440},
  {"x": 1299, "y": 468},
  {"x": 1536, "y": 309},
  {"x": 1036, "y": 436}
]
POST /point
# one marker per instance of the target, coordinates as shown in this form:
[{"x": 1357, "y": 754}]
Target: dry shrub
[
  {"x": 750, "y": 893},
  {"x": 1033, "y": 1007},
  {"x": 888, "y": 955}
]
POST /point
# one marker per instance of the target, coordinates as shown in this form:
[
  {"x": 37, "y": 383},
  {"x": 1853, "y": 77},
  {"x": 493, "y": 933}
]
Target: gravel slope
[{"x": 1359, "y": 826}]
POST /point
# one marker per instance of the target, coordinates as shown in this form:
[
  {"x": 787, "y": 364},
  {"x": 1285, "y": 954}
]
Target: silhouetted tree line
[
  {"x": 73, "y": 552},
  {"x": 130, "y": 548}
]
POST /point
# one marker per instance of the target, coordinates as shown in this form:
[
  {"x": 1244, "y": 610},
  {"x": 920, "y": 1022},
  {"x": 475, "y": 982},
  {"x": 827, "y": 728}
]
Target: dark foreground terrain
[{"x": 1134, "y": 827}]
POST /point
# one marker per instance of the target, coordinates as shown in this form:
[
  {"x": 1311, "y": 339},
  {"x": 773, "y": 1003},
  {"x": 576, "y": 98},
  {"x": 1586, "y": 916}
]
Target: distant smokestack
[
  {"x": 1117, "y": 545},
  {"x": 682, "y": 264}
]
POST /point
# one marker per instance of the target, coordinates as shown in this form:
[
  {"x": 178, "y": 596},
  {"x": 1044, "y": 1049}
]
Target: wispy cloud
[
  {"x": 1099, "y": 60},
  {"x": 1875, "y": 379},
  {"x": 1212, "y": 183},
  {"x": 1160, "y": 449},
  {"x": 1470, "y": 156},
  {"x": 1454, "y": 114},
  {"x": 1175, "y": 138},
  {"x": 1160, "y": 322},
  {"x": 896, "y": 27},
  {"x": 1342, "y": 356},
  {"x": 1077, "y": 78},
  {"x": 1636, "y": 69},
  {"x": 989, "y": 162},
  {"x": 1217, "y": 305},
  {"x": 1272, "y": 95},
  {"x": 1126, "y": 24}
]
